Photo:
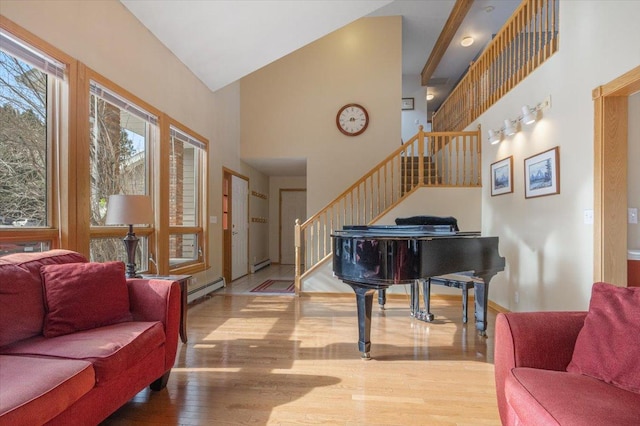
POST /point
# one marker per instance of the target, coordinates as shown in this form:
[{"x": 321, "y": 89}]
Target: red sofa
[
  {"x": 78, "y": 340},
  {"x": 571, "y": 368}
]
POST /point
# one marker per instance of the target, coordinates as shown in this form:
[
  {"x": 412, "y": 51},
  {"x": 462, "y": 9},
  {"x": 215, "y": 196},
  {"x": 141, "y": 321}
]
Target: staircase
[
  {"x": 429, "y": 159},
  {"x": 411, "y": 173}
]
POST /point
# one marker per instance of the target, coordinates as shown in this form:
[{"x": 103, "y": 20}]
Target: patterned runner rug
[{"x": 275, "y": 286}]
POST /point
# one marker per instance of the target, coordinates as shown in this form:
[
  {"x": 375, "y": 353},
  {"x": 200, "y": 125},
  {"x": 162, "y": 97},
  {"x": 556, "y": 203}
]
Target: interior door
[
  {"x": 293, "y": 205},
  {"x": 239, "y": 227}
]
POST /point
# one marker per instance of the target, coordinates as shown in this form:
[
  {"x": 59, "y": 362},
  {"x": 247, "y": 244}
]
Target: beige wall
[
  {"x": 633, "y": 169},
  {"x": 134, "y": 59},
  {"x": 547, "y": 245},
  {"x": 289, "y": 107}
]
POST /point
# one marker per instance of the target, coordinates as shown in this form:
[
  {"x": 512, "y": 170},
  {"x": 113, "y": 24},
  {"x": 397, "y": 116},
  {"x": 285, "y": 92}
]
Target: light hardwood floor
[{"x": 286, "y": 360}]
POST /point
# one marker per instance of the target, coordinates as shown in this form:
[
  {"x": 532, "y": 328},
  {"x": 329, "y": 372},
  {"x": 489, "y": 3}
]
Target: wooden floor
[{"x": 286, "y": 360}]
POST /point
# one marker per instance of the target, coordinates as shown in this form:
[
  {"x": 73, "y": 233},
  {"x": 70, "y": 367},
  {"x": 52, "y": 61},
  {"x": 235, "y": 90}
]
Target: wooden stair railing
[
  {"x": 428, "y": 159},
  {"x": 526, "y": 40}
]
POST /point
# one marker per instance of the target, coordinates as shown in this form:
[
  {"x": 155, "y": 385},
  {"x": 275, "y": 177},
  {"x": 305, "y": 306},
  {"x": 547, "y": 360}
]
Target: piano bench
[{"x": 459, "y": 280}]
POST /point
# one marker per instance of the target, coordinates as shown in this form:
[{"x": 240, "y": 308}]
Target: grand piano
[{"x": 372, "y": 258}]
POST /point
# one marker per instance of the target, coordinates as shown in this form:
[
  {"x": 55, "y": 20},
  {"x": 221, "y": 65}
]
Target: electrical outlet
[{"x": 633, "y": 215}]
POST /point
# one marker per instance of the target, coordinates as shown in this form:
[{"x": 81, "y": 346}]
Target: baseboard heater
[
  {"x": 256, "y": 267},
  {"x": 205, "y": 289}
]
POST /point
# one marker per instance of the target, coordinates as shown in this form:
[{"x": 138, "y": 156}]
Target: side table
[{"x": 183, "y": 280}]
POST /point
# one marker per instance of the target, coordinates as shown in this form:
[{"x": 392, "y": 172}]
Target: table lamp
[{"x": 129, "y": 210}]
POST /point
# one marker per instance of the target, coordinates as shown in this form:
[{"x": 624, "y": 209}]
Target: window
[
  {"x": 122, "y": 136},
  {"x": 186, "y": 186},
  {"x": 33, "y": 90}
]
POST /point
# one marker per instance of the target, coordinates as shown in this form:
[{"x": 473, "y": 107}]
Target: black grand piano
[{"x": 372, "y": 258}]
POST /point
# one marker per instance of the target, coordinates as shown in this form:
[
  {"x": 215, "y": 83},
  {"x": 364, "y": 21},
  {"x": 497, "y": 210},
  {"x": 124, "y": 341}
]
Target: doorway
[
  {"x": 235, "y": 225},
  {"x": 611, "y": 104},
  {"x": 293, "y": 205}
]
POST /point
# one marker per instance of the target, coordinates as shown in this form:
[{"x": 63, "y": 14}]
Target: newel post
[{"x": 297, "y": 237}]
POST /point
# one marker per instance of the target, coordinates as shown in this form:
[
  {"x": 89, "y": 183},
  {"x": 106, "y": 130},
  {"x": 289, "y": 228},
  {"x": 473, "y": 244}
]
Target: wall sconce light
[
  {"x": 495, "y": 136},
  {"x": 430, "y": 96},
  {"x": 529, "y": 115}
]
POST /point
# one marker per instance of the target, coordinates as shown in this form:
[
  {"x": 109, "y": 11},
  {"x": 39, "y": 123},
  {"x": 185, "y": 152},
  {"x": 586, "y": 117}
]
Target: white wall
[
  {"x": 633, "y": 169},
  {"x": 411, "y": 119},
  {"x": 548, "y": 248},
  {"x": 289, "y": 107}
]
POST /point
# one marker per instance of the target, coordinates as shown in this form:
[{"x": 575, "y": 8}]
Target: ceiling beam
[{"x": 456, "y": 17}]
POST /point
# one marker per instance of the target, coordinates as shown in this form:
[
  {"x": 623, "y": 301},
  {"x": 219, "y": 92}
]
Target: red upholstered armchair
[{"x": 571, "y": 368}]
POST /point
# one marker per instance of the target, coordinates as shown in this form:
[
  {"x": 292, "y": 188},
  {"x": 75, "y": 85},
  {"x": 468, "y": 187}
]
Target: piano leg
[
  {"x": 382, "y": 297},
  {"x": 481, "y": 290},
  {"x": 364, "y": 302},
  {"x": 426, "y": 294}
]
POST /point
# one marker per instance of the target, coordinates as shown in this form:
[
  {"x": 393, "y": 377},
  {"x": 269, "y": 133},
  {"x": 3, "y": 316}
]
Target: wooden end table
[{"x": 183, "y": 280}]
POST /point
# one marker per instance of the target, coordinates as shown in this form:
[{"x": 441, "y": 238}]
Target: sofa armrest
[
  {"x": 543, "y": 340},
  {"x": 158, "y": 300}
]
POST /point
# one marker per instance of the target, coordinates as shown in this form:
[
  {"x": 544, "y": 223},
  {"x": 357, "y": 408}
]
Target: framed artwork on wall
[
  {"x": 502, "y": 177},
  {"x": 542, "y": 174},
  {"x": 407, "y": 104}
]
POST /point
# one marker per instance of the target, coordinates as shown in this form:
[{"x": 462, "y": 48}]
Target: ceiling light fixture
[
  {"x": 467, "y": 41},
  {"x": 430, "y": 96}
]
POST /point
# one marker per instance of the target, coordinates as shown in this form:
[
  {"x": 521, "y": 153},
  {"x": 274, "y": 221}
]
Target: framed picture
[
  {"x": 542, "y": 174},
  {"x": 407, "y": 103},
  {"x": 502, "y": 177}
]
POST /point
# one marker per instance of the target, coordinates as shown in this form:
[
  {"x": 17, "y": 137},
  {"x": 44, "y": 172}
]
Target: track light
[
  {"x": 510, "y": 127},
  {"x": 529, "y": 115},
  {"x": 495, "y": 137}
]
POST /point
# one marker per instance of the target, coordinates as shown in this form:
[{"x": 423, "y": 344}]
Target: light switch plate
[
  {"x": 588, "y": 217},
  {"x": 633, "y": 215}
]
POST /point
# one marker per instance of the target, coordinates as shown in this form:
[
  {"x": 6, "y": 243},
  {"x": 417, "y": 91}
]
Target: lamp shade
[{"x": 129, "y": 210}]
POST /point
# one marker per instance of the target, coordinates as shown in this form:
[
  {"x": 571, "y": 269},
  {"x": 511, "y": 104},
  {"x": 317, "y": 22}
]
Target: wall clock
[{"x": 352, "y": 119}]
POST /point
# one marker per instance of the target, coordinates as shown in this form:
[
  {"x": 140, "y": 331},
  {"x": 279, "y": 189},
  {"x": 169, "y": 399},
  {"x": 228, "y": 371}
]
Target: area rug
[{"x": 275, "y": 286}]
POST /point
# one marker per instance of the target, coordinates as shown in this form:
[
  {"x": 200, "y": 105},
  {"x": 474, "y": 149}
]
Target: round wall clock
[{"x": 352, "y": 119}]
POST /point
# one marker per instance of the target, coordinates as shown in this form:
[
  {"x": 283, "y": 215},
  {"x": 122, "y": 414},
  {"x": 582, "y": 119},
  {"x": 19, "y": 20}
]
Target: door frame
[
  {"x": 611, "y": 129},
  {"x": 227, "y": 225}
]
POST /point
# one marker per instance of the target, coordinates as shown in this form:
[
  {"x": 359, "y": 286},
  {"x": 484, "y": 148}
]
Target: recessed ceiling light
[
  {"x": 430, "y": 96},
  {"x": 489, "y": 9},
  {"x": 467, "y": 41}
]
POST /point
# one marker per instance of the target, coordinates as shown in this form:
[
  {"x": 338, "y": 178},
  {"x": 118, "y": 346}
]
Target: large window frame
[
  {"x": 173, "y": 130},
  {"x": 69, "y": 212},
  {"x": 61, "y": 92}
]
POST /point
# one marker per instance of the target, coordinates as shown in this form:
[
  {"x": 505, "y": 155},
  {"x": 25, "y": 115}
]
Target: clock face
[{"x": 352, "y": 119}]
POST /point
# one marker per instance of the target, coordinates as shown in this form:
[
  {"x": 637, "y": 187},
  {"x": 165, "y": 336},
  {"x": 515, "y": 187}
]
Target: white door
[
  {"x": 293, "y": 205},
  {"x": 239, "y": 227}
]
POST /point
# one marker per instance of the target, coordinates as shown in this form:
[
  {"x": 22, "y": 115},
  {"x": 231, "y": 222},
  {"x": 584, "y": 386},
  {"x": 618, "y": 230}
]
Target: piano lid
[{"x": 382, "y": 231}]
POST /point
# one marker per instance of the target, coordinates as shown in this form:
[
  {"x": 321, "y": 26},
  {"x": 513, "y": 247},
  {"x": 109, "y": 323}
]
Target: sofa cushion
[
  {"x": 21, "y": 306},
  {"x": 546, "y": 397},
  {"x": 607, "y": 346},
  {"x": 81, "y": 296},
  {"x": 35, "y": 390},
  {"x": 111, "y": 349}
]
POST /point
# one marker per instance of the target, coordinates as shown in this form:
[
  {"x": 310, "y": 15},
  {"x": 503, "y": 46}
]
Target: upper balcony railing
[
  {"x": 426, "y": 160},
  {"x": 528, "y": 39}
]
